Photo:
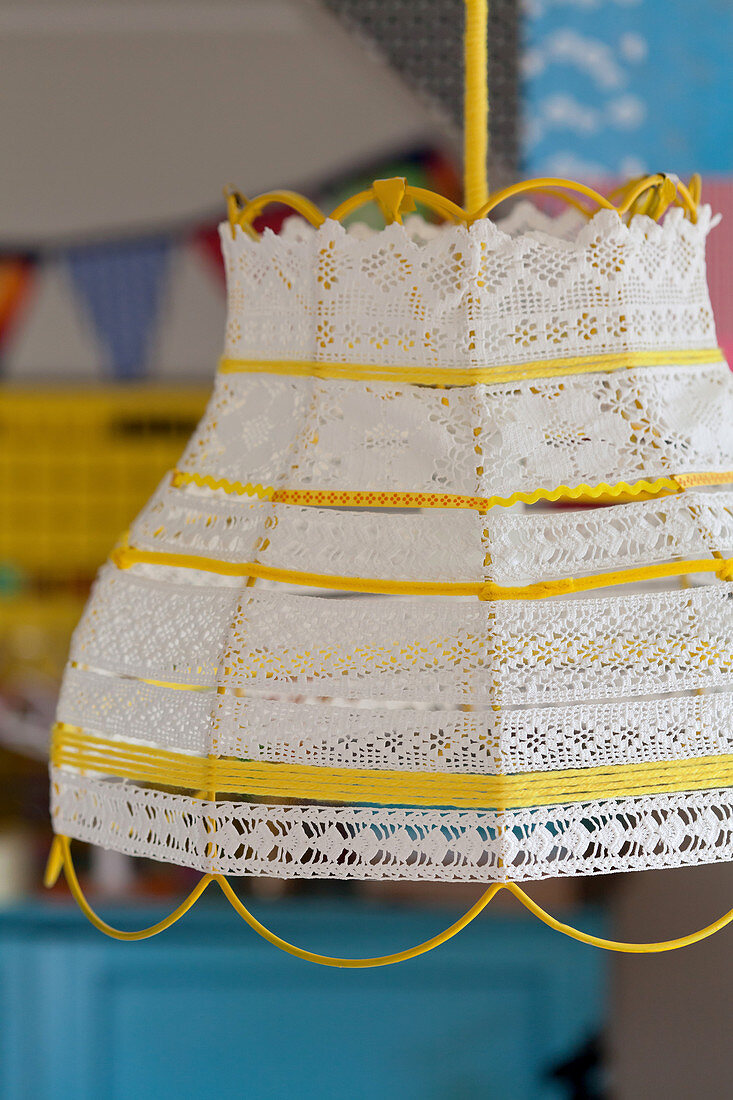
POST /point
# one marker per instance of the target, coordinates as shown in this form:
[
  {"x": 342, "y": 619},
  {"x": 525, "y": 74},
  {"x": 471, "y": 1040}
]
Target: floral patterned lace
[
  {"x": 504, "y": 546},
  {"x": 462, "y": 297}
]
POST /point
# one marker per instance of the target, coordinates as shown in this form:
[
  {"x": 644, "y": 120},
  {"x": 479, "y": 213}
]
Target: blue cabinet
[{"x": 208, "y": 1009}]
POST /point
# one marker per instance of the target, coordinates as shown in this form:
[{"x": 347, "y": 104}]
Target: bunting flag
[
  {"x": 16, "y": 276},
  {"x": 121, "y": 284}
]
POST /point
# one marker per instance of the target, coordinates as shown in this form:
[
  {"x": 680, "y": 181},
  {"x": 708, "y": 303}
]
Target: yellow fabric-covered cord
[
  {"x": 124, "y": 557},
  {"x": 475, "y": 105},
  {"x": 60, "y": 858}
]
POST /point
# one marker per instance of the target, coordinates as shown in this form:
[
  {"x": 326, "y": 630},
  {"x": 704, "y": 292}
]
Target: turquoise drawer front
[{"x": 209, "y": 1010}]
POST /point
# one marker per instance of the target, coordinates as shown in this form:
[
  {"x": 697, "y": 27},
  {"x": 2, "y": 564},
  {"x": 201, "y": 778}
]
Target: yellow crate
[{"x": 77, "y": 465}]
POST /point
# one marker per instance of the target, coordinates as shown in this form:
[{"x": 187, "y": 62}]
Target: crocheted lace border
[{"x": 362, "y": 843}]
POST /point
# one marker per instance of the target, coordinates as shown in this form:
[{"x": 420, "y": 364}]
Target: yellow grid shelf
[{"x": 76, "y": 465}]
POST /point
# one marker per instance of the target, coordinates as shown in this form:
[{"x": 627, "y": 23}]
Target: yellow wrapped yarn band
[
  {"x": 445, "y": 377},
  {"x": 73, "y": 748}
]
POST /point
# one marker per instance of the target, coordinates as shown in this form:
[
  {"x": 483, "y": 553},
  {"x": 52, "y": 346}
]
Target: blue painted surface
[
  {"x": 618, "y": 87},
  {"x": 208, "y": 1009}
]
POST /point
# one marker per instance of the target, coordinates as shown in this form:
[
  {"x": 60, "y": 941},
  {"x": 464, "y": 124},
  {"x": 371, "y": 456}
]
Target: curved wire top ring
[{"x": 396, "y": 197}]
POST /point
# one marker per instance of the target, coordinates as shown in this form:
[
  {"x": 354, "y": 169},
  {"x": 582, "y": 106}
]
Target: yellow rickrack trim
[
  {"x": 60, "y": 858},
  {"x": 206, "y": 481},
  {"x": 125, "y": 556},
  {"x": 72, "y": 748},
  {"x": 445, "y": 377},
  {"x": 365, "y": 498}
]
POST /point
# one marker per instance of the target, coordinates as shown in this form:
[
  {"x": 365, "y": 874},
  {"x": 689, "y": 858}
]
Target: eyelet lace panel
[
  {"x": 507, "y": 547},
  {"x": 303, "y": 433},
  {"x": 476, "y": 296},
  {"x": 257, "y": 725},
  {"x": 460, "y": 651},
  {"x": 362, "y": 843}
]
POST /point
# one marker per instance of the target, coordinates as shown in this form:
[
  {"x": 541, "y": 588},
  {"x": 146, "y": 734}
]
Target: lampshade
[{"x": 440, "y": 588}]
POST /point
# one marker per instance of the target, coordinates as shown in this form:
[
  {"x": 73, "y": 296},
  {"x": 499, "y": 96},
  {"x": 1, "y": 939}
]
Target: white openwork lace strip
[
  {"x": 304, "y": 433},
  {"x": 504, "y": 546},
  {"x": 408, "y": 738},
  {"x": 466, "y": 297},
  {"x": 452, "y": 650},
  {"x": 450, "y": 845}
]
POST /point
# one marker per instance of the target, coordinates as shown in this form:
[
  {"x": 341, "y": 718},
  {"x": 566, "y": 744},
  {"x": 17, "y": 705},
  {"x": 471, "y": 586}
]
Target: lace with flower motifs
[
  {"x": 457, "y": 650},
  {"x": 469, "y": 296},
  {"x": 187, "y": 661},
  {"x": 508, "y": 547},
  {"x": 304, "y": 433},
  {"x": 258, "y": 725}
]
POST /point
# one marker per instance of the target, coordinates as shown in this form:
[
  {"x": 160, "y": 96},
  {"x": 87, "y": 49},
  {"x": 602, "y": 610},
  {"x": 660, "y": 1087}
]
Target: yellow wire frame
[
  {"x": 476, "y": 138},
  {"x": 60, "y": 858},
  {"x": 554, "y": 185}
]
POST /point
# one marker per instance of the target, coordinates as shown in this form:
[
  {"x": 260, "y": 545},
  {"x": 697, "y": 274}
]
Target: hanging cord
[
  {"x": 60, "y": 858},
  {"x": 475, "y": 105}
]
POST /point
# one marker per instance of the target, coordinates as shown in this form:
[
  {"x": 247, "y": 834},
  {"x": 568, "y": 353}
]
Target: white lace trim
[
  {"x": 464, "y": 297},
  {"x": 524, "y": 217},
  {"x": 506, "y": 653},
  {"x": 507, "y": 547},
  {"x": 361, "y": 842},
  {"x": 305, "y": 433},
  {"x": 411, "y": 737}
]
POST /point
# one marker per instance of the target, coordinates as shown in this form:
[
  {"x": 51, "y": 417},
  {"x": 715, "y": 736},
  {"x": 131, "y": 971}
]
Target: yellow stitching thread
[
  {"x": 445, "y": 377},
  {"x": 147, "y": 764},
  {"x": 126, "y": 556},
  {"x": 694, "y": 481},
  {"x": 364, "y": 498}
]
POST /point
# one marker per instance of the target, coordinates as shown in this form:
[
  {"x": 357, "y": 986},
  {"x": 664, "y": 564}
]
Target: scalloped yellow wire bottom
[{"x": 59, "y": 859}]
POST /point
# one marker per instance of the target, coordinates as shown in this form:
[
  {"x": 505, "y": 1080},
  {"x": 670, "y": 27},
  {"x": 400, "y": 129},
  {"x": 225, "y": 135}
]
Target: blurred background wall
[{"x": 613, "y": 89}]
